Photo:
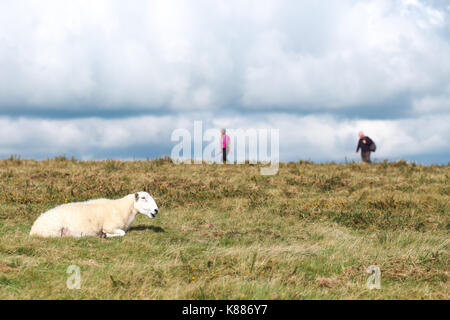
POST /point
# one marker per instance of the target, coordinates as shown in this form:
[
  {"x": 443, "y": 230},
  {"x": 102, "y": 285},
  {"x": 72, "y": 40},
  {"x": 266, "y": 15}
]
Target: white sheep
[{"x": 99, "y": 217}]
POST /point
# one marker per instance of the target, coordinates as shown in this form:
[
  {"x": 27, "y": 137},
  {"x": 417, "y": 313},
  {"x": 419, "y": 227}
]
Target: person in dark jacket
[{"x": 364, "y": 144}]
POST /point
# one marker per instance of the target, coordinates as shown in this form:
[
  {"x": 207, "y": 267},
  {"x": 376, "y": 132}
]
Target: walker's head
[
  {"x": 145, "y": 204},
  {"x": 361, "y": 134}
]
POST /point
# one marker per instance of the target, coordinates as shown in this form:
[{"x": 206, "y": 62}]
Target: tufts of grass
[{"x": 226, "y": 232}]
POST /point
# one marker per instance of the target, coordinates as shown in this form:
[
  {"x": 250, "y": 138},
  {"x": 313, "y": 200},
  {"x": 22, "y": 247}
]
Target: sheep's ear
[{"x": 136, "y": 196}]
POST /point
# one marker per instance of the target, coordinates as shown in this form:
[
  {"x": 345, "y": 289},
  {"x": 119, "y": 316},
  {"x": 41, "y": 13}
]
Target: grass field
[{"x": 226, "y": 232}]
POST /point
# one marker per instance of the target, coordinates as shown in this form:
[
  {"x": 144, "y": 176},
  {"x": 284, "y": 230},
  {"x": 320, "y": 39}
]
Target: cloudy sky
[{"x": 113, "y": 79}]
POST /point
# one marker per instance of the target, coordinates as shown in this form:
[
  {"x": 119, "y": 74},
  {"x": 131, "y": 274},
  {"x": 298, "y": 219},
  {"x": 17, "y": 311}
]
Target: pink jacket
[{"x": 224, "y": 141}]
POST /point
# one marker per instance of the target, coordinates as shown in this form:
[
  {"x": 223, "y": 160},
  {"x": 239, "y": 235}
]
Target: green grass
[{"x": 226, "y": 232}]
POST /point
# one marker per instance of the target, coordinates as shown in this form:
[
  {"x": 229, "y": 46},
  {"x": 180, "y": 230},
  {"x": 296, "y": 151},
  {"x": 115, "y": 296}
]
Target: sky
[{"x": 113, "y": 79}]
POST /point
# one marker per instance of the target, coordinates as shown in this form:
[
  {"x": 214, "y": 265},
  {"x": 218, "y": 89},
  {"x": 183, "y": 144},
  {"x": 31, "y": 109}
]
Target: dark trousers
[
  {"x": 224, "y": 154},
  {"x": 365, "y": 156}
]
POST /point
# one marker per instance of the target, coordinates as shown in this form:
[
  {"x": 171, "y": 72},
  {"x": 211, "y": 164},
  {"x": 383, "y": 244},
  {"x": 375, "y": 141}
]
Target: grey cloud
[
  {"x": 105, "y": 58},
  {"x": 99, "y": 79}
]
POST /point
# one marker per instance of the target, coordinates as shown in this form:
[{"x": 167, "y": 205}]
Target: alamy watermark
[
  {"x": 74, "y": 280},
  {"x": 246, "y": 145},
  {"x": 374, "y": 281}
]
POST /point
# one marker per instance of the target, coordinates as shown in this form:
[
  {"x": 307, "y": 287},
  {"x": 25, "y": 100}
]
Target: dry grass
[{"x": 226, "y": 232}]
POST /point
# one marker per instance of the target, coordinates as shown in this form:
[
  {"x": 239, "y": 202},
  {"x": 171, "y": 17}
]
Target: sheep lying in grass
[{"x": 100, "y": 217}]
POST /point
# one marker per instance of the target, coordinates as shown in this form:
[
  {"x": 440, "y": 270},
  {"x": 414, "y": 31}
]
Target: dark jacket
[{"x": 365, "y": 147}]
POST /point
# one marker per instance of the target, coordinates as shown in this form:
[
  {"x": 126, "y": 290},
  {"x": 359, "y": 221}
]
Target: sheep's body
[{"x": 90, "y": 218}]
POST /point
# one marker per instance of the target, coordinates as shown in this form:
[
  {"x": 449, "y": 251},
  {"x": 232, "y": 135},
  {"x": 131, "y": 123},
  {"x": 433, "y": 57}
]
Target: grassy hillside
[{"x": 226, "y": 232}]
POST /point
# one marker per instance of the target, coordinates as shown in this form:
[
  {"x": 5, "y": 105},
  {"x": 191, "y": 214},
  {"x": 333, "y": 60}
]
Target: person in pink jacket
[{"x": 224, "y": 144}]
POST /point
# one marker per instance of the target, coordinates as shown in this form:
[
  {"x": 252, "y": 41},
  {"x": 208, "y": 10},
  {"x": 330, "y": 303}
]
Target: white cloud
[
  {"x": 324, "y": 138},
  {"x": 318, "y": 138}
]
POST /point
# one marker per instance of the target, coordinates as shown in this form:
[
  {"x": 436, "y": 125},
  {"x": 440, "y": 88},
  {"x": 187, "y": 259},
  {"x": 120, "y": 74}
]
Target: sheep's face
[{"x": 144, "y": 203}]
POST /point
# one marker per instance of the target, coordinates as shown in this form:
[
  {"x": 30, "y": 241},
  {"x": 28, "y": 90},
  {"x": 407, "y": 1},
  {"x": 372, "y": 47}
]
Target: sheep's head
[{"x": 145, "y": 204}]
